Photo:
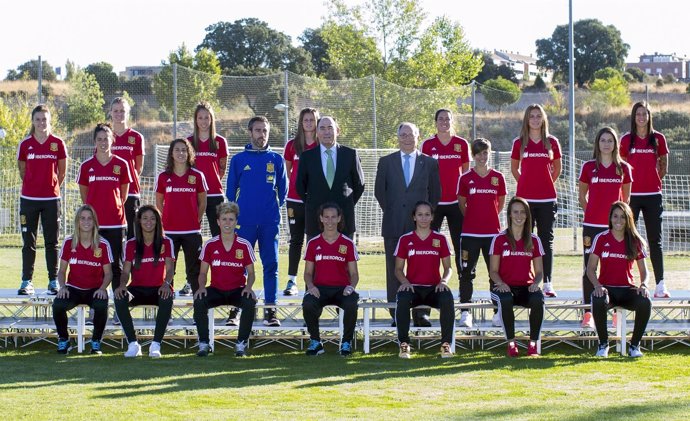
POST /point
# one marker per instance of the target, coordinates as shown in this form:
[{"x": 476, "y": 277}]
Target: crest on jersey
[
  {"x": 53, "y": 147},
  {"x": 116, "y": 169},
  {"x": 494, "y": 181},
  {"x": 191, "y": 179},
  {"x": 436, "y": 242},
  {"x": 290, "y": 213},
  {"x": 239, "y": 254},
  {"x": 22, "y": 219},
  {"x": 131, "y": 140},
  {"x": 457, "y": 148},
  {"x": 342, "y": 249},
  {"x": 98, "y": 253},
  {"x": 587, "y": 240},
  {"x": 270, "y": 167},
  {"x": 465, "y": 255}
]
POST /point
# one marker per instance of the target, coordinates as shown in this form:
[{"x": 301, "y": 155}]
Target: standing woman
[
  {"x": 603, "y": 180},
  {"x": 647, "y": 151},
  {"x": 614, "y": 252},
  {"x": 148, "y": 258},
  {"x": 181, "y": 194},
  {"x": 42, "y": 160},
  {"x": 453, "y": 156},
  {"x": 129, "y": 145},
  {"x": 88, "y": 257},
  {"x": 104, "y": 181},
  {"x": 423, "y": 250},
  {"x": 331, "y": 275},
  {"x": 304, "y": 140},
  {"x": 230, "y": 258},
  {"x": 536, "y": 165},
  {"x": 211, "y": 158},
  {"x": 516, "y": 269},
  {"x": 481, "y": 196}
]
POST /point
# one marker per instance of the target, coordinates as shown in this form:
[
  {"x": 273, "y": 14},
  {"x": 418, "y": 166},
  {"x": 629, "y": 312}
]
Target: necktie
[
  {"x": 406, "y": 169},
  {"x": 330, "y": 167}
]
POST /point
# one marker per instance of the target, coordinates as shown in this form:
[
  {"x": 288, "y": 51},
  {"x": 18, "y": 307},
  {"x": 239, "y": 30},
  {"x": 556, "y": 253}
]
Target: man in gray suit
[{"x": 402, "y": 179}]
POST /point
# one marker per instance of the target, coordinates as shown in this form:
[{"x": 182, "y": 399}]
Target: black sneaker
[
  {"x": 96, "y": 348},
  {"x": 63, "y": 346},
  {"x": 270, "y": 317},
  {"x": 315, "y": 348},
  {"x": 233, "y": 317},
  {"x": 186, "y": 291}
]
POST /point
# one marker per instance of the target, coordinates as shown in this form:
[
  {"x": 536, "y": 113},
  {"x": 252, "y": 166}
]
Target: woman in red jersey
[
  {"x": 211, "y": 158},
  {"x": 129, "y": 145},
  {"x": 148, "y": 258},
  {"x": 603, "y": 180},
  {"x": 516, "y": 269},
  {"x": 42, "y": 160},
  {"x": 481, "y": 195},
  {"x": 536, "y": 165},
  {"x": 423, "y": 251},
  {"x": 646, "y": 150},
  {"x": 304, "y": 140},
  {"x": 331, "y": 276},
  {"x": 87, "y": 257},
  {"x": 104, "y": 181},
  {"x": 614, "y": 251},
  {"x": 230, "y": 259},
  {"x": 181, "y": 194}
]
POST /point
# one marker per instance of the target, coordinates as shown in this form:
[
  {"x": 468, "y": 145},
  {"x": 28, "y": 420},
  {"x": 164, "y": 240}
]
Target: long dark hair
[
  {"x": 212, "y": 146},
  {"x": 139, "y": 235},
  {"x": 651, "y": 134},
  {"x": 170, "y": 162},
  {"x": 631, "y": 237},
  {"x": 526, "y": 235},
  {"x": 300, "y": 143}
]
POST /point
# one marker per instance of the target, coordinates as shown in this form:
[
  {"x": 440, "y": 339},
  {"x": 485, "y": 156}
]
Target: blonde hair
[
  {"x": 524, "y": 132},
  {"x": 96, "y": 238}
]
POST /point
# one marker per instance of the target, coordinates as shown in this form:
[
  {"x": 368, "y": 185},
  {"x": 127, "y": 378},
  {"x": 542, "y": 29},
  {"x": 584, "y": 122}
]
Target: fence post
[
  {"x": 174, "y": 130},
  {"x": 287, "y": 110},
  {"x": 373, "y": 105},
  {"x": 474, "y": 106},
  {"x": 571, "y": 122},
  {"x": 40, "y": 80},
  {"x": 646, "y": 93}
]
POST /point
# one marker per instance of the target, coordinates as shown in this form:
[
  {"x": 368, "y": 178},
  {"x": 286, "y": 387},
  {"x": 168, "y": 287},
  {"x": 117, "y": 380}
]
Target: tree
[
  {"x": 596, "y": 46},
  {"x": 491, "y": 71},
  {"x": 84, "y": 101},
  {"x": 637, "y": 73},
  {"x": 70, "y": 70},
  {"x": 198, "y": 78},
  {"x": 609, "y": 89},
  {"x": 313, "y": 42},
  {"x": 251, "y": 45},
  {"x": 500, "y": 92},
  {"x": 29, "y": 71},
  {"x": 351, "y": 53},
  {"x": 105, "y": 76}
]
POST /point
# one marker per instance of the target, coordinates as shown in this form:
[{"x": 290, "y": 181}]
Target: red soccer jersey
[
  {"x": 128, "y": 146},
  {"x": 482, "y": 193},
  {"x": 450, "y": 159},
  {"x": 41, "y": 160},
  {"x": 615, "y": 270},
  {"x": 209, "y": 163},
  {"x": 228, "y": 266},
  {"x": 331, "y": 260},
  {"x": 148, "y": 274},
  {"x": 643, "y": 160},
  {"x": 180, "y": 200},
  {"x": 605, "y": 187},
  {"x": 535, "y": 184},
  {"x": 516, "y": 265},
  {"x": 423, "y": 257},
  {"x": 86, "y": 264},
  {"x": 290, "y": 156},
  {"x": 104, "y": 182}
]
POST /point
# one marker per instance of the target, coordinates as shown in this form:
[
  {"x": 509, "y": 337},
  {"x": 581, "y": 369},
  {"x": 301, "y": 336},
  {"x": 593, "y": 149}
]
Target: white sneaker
[
  {"x": 496, "y": 321},
  {"x": 634, "y": 351},
  {"x": 660, "y": 291},
  {"x": 466, "y": 319},
  {"x": 603, "y": 351},
  {"x": 133, "y": 350},
  {"x": 548, "y": 290},
  {"x": 155, "y": 350}
]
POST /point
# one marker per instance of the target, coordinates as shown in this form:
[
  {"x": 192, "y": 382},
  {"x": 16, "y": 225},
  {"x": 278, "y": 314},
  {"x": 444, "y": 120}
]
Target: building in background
[
  {"x": 525, "y": 67},
  {"x": 663, "y": 64},
  {"x": 132, "y": 72}
]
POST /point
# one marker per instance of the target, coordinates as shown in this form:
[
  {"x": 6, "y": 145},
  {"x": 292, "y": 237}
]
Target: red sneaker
[
  {"x": 512, "y": 349},
  {"x": 532, "y": 350}
]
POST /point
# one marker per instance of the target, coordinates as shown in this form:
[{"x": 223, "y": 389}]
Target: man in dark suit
[
  {"x": 402, "y": 179},
  {"x": 329, "y": 173}
]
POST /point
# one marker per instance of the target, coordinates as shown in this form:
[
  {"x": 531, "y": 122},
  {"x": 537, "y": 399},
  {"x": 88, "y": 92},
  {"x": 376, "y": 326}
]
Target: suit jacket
[
  {"x": 397, "y": 200},
  {"x": 348, "y": 186}
]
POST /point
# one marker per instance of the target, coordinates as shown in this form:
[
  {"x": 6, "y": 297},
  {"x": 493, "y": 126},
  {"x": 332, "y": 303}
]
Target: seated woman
[
  {"x": 331, "y": 275},
  {"x": 149, "y": 259},
  {"x": 614, "y": 251},
  {"x": 516, "y": 269},
  {"x": 231, "y": 260},
  {"x": 423, "y": 250},
  {"x": 89, "y": 260}
]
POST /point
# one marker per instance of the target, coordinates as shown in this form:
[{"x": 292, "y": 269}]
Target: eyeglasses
[{"x": 406, "y": 135}]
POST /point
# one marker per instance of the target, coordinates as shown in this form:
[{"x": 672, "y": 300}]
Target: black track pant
[
  {"x": 131, "y": 205},
  {"x": 212, "y": 203},
  {"x": 115, "y": 237},
  {"x": 544, "y": 218},
  {"x": 49, "y": 212},
  {"x": 453, "y": 216},
  {"x": 629, "y": 299},
  {"x": 312, "y": 308},
  {"x": 425, "y": 295},
  {"x": 295, "y": 212},
  {"x": 191, "y": 246},
  {"x": 215, "y": 298},
  {"x": 76, "y": 297},
  {"x": 144, "y": 296},
  {"x": 652, "y": 211},
  {"x": 520, "y": 296},
  {"x": 471, "y": 248}
]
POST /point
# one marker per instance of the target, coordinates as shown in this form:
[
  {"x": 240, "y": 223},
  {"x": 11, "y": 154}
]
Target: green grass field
[{"x": 279, "y": 383}]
